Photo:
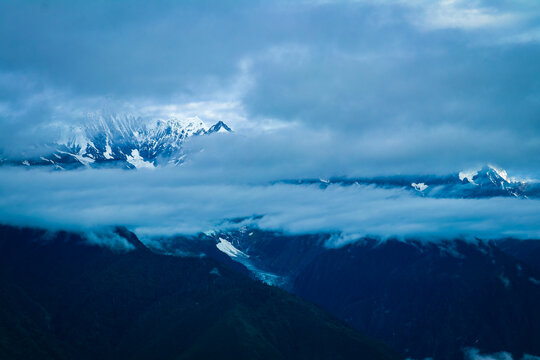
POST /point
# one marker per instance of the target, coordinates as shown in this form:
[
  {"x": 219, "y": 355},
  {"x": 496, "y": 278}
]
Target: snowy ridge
[
  {"x": 419, "y": 186},
  {"x": 494, "y": 174},
  {"x": 124, "y": 140},
  {"x": 488, "y": 181},
  {"x": 468, "y": 175}
]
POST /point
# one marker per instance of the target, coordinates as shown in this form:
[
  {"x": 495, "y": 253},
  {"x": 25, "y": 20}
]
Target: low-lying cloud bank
[
  {"x": 474, "y": 354},
  {"x": 169, "y": 201}
]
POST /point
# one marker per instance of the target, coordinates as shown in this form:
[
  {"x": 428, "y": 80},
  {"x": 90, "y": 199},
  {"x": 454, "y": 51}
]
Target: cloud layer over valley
[{"x": 173, "y": 200}]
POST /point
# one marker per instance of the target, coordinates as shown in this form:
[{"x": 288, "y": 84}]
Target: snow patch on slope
[
  {"x": 469, "y": 175},
  {"x": 268, "y": 278},
  {"x": 419, "y": 186},
  {"x": 501, "y": 172},
  {"x": 229, "y": 249},
  {"x": 136, "y": 160},
  {"x": 108, "y": 151},
  {"x": 82, "y": 159}
]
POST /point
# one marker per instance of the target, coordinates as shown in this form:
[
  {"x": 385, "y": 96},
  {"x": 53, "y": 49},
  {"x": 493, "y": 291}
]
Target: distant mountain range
[
  {"x": 488, "y": 181},
  {"x": 128, "y": 142},
  {"x": 120, "y": 141}
]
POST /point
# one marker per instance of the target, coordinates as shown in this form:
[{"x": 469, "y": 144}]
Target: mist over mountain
[
  {"x": 171, "y": 200},
  {"x": 249, "y": 179}
]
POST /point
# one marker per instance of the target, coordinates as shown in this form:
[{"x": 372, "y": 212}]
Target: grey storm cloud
[
  {"x": 453, "y": 80},
  {"x": 168, "y": 201},
  {"x": 298, "y": 152}
]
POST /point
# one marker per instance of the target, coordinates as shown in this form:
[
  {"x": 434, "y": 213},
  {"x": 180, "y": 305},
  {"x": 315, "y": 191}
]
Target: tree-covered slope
[{"x": 63, "y": 299}]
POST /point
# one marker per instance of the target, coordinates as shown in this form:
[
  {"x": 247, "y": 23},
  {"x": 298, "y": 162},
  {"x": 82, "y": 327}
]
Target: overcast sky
[
  {"x": 311, "y": 88},
  {"x": 416, "y": 86}
]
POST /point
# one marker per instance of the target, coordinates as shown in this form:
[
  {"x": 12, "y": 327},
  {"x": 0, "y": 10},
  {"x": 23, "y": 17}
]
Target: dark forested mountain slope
[
  {"x": 425, "y": 298},
  {"x": 527, "y": 251},
  {"x": 430, "y": 299},
  {"x": 63, "y": 299}
]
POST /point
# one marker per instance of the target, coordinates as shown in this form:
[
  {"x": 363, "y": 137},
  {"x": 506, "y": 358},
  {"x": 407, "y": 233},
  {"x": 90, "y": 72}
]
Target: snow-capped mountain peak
[
  {"x": 125, "y": 140},
  {"x": 219, "y": 127},
  {"x": 487, "y": 174},
  {"x": 493, "y": 180},
  {"x": 501, "y": 172}
]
